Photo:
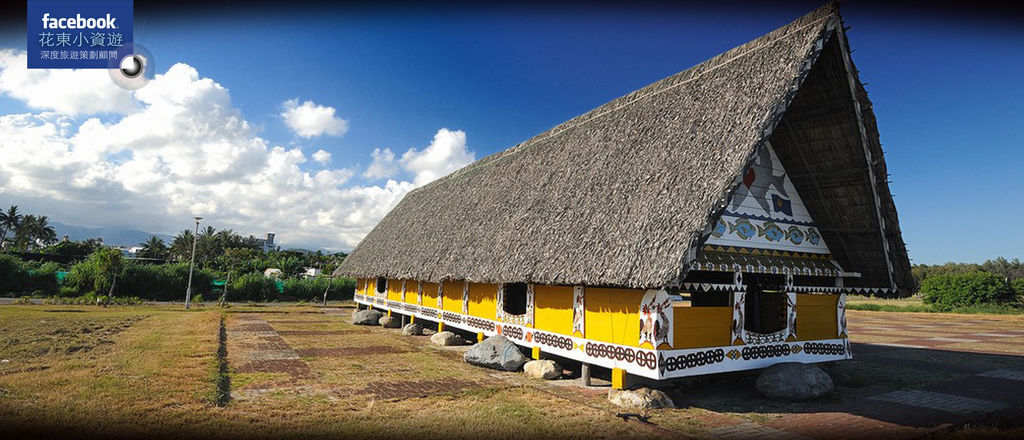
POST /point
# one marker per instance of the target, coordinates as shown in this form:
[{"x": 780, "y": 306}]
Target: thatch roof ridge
[{"x": 617, "y": 196}]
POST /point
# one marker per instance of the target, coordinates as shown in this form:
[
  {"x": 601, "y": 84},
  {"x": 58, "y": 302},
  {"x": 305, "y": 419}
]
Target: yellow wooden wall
[
  {"x": 394, "y": 290},
  {"x": 612, "y": 315},
  {"x": 430, "y": 294},
  {"x": 453, "y": 296},
  {"x": 412, "y": 290},
  {"x": 553, "y": 309},
  {"x": 696, "y": 327},
  {"x": 483, "y": 299},
  {"x": 816, "y": 317}
]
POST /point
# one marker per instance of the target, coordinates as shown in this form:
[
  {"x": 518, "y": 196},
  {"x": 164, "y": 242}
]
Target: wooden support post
[
  {"x": 585, "y": 374},
  {"x": 618, "y": 378},
  {"x": 440, "y": 327},
  {"x": 536, "y": 353},
  {"x": 480, "y": 337}
]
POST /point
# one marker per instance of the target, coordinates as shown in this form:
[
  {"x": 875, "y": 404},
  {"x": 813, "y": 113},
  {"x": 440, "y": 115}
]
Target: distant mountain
[{"x": 112, "y": 236}]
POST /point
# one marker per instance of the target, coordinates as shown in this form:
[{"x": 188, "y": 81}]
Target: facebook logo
[{"x": 83, "y": 34}]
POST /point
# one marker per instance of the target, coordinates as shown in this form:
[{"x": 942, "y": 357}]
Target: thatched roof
[{"x": 622, "y": 195}]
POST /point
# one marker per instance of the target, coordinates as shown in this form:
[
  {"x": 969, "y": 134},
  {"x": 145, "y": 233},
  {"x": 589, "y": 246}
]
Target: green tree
[
  {"x": 34, "y": 231},
  {"x": 181, "y": 246},
  {"x": 109, "y": 264},
  {"x": 9, "y": 220},
  {"x": 154, "y": 248}
]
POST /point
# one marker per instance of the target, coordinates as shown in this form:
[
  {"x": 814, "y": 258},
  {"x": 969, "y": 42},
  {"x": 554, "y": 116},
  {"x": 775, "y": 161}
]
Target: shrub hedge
[{"x": 950, "y": 291}]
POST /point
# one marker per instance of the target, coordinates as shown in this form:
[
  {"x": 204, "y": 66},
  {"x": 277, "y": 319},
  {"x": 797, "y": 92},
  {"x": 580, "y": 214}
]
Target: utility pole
[{"x": 191, "y": 267}]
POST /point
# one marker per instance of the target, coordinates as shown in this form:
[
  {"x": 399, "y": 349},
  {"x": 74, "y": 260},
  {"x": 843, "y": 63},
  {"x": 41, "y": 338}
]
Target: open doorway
[{"x": 765, "y": 303}]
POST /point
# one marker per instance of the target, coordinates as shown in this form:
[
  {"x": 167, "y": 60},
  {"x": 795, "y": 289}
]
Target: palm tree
[
  {"x": 9, "y": 221},
  {"x": 153, "y": 248},
  {"x": 181, "y": 246},
  {"x": 44, "y": 233}
]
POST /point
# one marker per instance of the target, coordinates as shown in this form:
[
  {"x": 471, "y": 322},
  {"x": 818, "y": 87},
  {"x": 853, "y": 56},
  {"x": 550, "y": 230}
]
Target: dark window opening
[
  {"x": 382, "y": 284},
  {"x": 765, "y": 306},
  {"x": 514, "y": 302}
]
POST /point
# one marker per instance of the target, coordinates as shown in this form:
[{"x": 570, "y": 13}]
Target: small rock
[
  {"x": 412, "y": 329},
  {"x": 794, "y": 381},
  {"x": 496, "y": 352},
  {"x": 643, "y": 397},
  {"x": 366, "y": 317},
  {"x": 391, "y": 322},
  {"x": 446, "y": 338},
  {"x": 543, "y": 369}
]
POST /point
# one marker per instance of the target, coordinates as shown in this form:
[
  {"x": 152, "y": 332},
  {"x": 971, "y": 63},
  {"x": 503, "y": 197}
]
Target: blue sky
[{"x": 947, "y": 92}]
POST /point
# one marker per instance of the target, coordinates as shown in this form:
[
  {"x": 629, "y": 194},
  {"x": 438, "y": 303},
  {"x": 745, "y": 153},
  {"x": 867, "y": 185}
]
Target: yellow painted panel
[
  {"x": 816, "y": 317},
  {"x": 613, "y": 315},
  {"x": 430, "y": 294},
  {"x": 483, "y": 300},
  {"x": 552, "y": 307},
  {"x": 411, "y": 291},
  {"x": 394, "y": 290},
  {"x": 696, "y": 327},
  {"x": 453, "y": 296}
]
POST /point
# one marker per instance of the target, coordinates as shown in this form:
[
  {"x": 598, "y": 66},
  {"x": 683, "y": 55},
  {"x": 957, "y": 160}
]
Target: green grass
[{"x": 916, "y": 305}]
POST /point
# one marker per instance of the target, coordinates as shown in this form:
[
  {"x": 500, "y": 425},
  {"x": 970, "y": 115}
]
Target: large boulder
[
  {"x": 794, "y": 381},
  {"x": 446, "y": 338},
  {"x": 496, "y": 352},
  {"x": 645, "y": 398},
  {"x": 391, "y": 321},
  {"x": 543, "y": 369},
  {"x": 366, "y": 317},
  {"x": 412, "y": 329}
]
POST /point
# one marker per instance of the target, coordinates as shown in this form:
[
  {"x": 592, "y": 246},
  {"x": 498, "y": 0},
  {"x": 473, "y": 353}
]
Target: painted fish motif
[
  {"x": 771, "y": 231},
  {"x": 719, "y": 229},
  {"x": 743, "y": 228},
  {"x": 813, "y": 237},
  {"x": 795, "y": 235}
]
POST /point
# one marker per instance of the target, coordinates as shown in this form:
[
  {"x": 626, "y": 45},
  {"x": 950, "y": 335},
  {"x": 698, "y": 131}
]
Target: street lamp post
[{"x": 191, "y": 267}]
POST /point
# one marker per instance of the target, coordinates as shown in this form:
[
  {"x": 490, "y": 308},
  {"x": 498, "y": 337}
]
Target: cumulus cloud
[
  {"x": 446, "y": 153},
  {"x": 309, "y": 119},
  {"x": 322, "y": 157},
  {"x": 382, "y": 166},
  {"x": 186, "y": 150},
  {"x": 69, "y": 91}
]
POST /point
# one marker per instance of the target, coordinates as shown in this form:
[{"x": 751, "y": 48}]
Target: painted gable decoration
[{"x": 766, "y": 212}]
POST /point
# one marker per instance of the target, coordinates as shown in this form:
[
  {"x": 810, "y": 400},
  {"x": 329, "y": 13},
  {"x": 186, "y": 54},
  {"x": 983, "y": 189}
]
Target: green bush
[
  {"x": 19, "y": 277},
  {"x": 950, "y": 291},
  {"x": 164, "y": 282},
  {"x": 252, "y": 287},
  {"x": 1018, "y": 288}
]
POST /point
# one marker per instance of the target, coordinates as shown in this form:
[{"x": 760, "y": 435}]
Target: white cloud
[
  {"x": 322, "y": 157},
  {"x": 445, "y": 154},
  {"x": 309, "y": 119},
  {"x": 383, "y": 165},
  {"x": 69, "y": 91},
  {"x": 186, "y": 150}
]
